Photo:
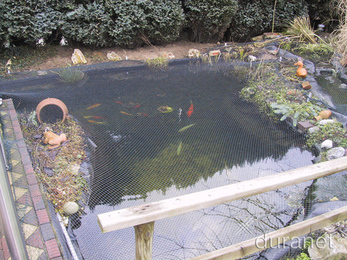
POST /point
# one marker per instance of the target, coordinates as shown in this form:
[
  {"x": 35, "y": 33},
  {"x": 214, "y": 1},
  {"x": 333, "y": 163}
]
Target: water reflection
[{"x": 192, "y": 234}]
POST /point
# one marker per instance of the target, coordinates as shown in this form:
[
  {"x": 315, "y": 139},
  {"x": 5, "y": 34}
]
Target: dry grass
[
  {"x": 301, "y": 28},
  {"x": 341, "y": 33}
]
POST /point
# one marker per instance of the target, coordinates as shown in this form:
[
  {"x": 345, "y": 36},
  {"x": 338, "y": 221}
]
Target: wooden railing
[{"x": 142, "y": 217}]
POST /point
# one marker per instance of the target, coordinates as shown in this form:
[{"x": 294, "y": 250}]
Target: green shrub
[
  {"x": 135, "y": 22},
  {"x": 255, "y": 17},
  {"x": 209, "y": 19},
  {"x": 88, "y": 24},
  {"x": 27, "y": 21}
]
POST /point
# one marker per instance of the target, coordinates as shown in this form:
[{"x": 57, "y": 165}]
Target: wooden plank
[
  {"x": 274, "y": 238},
  {"x": 145, "y": 213}
]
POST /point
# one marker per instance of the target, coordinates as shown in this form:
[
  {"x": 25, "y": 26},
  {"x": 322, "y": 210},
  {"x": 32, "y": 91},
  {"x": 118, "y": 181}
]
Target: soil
[{"x": 63, "y": 54}]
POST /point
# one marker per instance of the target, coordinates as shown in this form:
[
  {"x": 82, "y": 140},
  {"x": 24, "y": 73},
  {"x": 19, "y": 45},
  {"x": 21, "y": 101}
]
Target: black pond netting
[{"x": 145, "y": 147}]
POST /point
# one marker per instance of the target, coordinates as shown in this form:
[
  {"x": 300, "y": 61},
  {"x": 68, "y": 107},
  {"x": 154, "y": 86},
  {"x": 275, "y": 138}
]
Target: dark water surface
[{"x": 141, "y": 156}]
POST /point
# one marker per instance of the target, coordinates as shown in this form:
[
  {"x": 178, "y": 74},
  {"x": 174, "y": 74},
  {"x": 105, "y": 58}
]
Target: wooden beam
[
  {"x": 274, "y": 238},
  {"x": 143, "y": 241},
  {"x": 145, "y": 213}
]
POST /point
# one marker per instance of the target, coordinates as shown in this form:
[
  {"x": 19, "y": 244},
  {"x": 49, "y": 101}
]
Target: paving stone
[
  {"x": 35, "y": 240},
  {"x": 40, "y": 241},
  {"x": 25, "y": 199},
  {"x": 31, "y": 218},
  {"x": 52, "y": 248},
  {"x": 31, "y": 178},
  {"x": 47, "y": 231},
  {"x": 28, "y": 230},
  {"x": 34, "y": 190},
  {"x": 34, "y": 253},
  {"x": 38, "y": 202},
  {"x": 42, "y": 216}
]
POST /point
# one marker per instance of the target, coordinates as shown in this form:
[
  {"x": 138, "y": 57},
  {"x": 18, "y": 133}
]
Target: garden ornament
[
  {"x": 325, "y": 114},
  {"x": 53, "y": 140},
  {"x": 301, "y": 71}
]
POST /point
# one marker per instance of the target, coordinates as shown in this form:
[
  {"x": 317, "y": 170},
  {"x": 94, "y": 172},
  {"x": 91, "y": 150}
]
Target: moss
[{"x": 67, "y": 183}]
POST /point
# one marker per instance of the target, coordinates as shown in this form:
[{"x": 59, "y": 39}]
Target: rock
[
  {"x": 329, "y": 248},
  {"x": 335, "y": 153},
  {"x": 326, "y": 121},
  {"x": 313, "y": 129},
  {"x": 78, "y": 57},
  {"x": 194, "y": 53},
  {"x": 48, "y": 171},
  {"x": 214, "y": 53},
  {"x": 113, "y": 56},
  {"x": 331, "y": 79},
  {"x": 71, "y": 207},
  {"x": 306, "y": 85},
  {"x": 169, "y": 56},
  {"x": 343, "y": 86},
  {"x": 42, "y": 72},
  {"x": 257, "y": 38},
  {"x": 327, "y": 144}
]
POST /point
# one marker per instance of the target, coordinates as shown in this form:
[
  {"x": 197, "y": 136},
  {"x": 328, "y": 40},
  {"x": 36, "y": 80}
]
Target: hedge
[
  {"x": 209, "y": 19},
  {"x": 132, "y": 23}
]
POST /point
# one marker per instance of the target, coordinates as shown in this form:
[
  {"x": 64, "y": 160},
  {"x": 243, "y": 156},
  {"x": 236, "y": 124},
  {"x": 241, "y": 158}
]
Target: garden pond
[{"x": 157, "y": 134}]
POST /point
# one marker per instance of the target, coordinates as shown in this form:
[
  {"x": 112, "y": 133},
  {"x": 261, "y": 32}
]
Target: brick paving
[{"x": 33, "y": 216}]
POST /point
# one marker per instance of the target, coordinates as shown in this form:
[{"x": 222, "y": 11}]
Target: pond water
[
  {"x": 331, "y": 85},
  {"x": 142, "y": 155}
]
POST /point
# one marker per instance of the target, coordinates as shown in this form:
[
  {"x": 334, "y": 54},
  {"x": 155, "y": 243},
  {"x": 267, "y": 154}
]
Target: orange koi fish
[
  {"x": 126, "y": 113},
  {"x": 86, "y": 117},
  {"x": 191, "y": 109},
  {"x": 118, "y": 102},
  {"x": 98, "y": 117},
  {"x": 142, "y": 114},
  {"x": 92, "y": 121},
  {"x": 137, "y": 106},
  {"x": 94, "y": 106},
  {"x": 101, "y": 122}
]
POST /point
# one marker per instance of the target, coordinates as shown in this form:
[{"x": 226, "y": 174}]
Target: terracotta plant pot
[{"x": 52, "y": 102}]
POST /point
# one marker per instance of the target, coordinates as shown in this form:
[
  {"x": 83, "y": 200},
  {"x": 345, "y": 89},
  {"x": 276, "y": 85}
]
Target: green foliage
[
  {"x": 32, "y": 119},
  {"x": 88, "y": 24},
  {"x": 137, "y": 22},
  {"x": 159, "y": 63},
  {"x": 209, "y": 19},
  {"x": 27, "y": 21},
  {"x": 302, "y": 256},
  {"x": 70, "y": 75},
  {"x": 128, "y": 23},
  {"x": 335, "y": 132},
  {"x": 316, "y": 51},
  {"x": 297, "y": 111},
  {"x": 255, "y": 17}
]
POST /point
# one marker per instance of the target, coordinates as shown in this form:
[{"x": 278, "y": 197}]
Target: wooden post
[{"x": 144, "y": 241}]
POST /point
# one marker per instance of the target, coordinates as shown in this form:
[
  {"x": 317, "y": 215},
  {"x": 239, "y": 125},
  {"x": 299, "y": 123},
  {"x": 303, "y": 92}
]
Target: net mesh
[{"x": 157, "y": 134}]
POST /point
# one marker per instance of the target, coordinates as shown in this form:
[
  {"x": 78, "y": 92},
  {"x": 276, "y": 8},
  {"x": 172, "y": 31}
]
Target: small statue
[{"x": 53, "y": 140}]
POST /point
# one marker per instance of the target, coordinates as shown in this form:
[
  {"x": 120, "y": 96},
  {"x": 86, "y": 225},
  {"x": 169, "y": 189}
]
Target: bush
[
  {"x": 27, "y": 21},
  {"x": 88, "y": 24},
  {"x": 136, "y": 22},
  {"x": 255, "y": 18},
  {"x": 209, "y": 19}
]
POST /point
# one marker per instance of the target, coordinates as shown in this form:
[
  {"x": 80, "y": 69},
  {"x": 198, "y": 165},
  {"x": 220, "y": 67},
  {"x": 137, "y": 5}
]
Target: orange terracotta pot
[
  {"x": 325, "y": 114},
  {"x": 52, "y": 102}
]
